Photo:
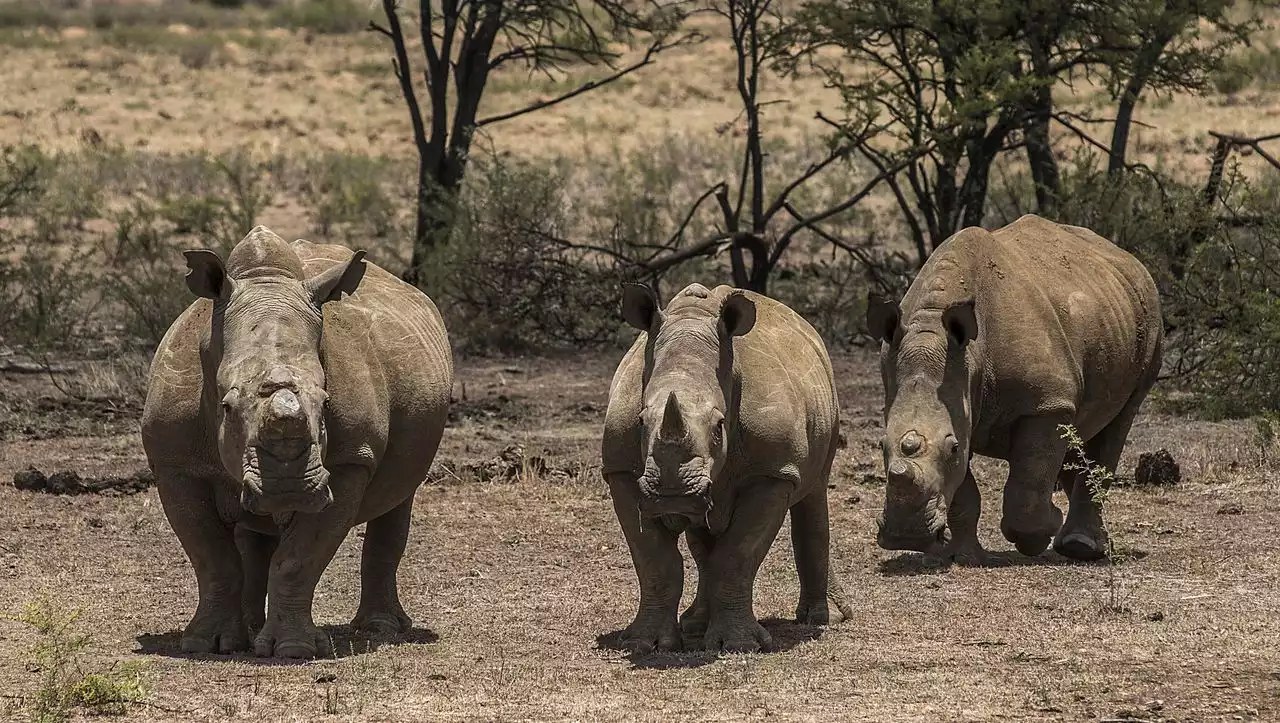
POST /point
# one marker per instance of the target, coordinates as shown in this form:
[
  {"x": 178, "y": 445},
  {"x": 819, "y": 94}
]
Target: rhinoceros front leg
[
  {"x": 962, "y": 520},
  {"x": 384, "y": 541},
  {"x": 1036, "y": 452},
  {"x": 822, "y": 599},
  {"x": 757, "y": 516},
  {"x": 659, "y": 568},
  {"x": 218, "y": 624},
  {"x": 306, "y": 547}
]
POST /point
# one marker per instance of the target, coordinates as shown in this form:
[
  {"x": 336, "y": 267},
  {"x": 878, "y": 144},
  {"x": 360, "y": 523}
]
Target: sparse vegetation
[
  {"x": 64, "y": 685},
  {"x": 129, "y": 132}
]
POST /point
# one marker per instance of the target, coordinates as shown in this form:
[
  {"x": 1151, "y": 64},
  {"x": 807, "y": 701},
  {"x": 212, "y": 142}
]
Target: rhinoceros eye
[{"x": 952, "y": 446}]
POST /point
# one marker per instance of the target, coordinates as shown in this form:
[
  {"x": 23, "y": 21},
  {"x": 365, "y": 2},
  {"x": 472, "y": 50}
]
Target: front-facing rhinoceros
[
  {"x": 722, "y": 417},
  {"x": 1003, "y": 338},
  {"x": 279, "y": 416}
]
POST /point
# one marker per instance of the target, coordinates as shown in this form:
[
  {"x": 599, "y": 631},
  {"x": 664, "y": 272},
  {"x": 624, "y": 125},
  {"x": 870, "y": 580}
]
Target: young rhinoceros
[
  {"x": 722, "y": 417},
  {"x": 1003, "y": 337},
  {"x": 279, "y": 416}
]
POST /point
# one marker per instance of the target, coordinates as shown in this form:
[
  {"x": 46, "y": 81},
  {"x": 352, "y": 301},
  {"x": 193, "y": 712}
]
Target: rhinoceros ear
[
  {"x": 639, "y": 306},
  {"x": 339, "y": 279},
  {"x": 961, "y": 321},
  {"x": 738, "y": 314},
  {"x": 206, "y": 276},
  {"x": 883, "y": 317}
]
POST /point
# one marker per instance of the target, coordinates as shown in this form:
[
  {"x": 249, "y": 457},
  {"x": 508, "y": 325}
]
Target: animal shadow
[
  {"x": 786, "y": 635},
  {"x": 347, "y": 643},
  {"x": 910, "y": 564}
]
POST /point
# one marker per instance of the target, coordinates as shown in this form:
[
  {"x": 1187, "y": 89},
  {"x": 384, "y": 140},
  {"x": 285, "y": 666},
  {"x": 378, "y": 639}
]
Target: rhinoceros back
[{"x": 1065, "y": 319}]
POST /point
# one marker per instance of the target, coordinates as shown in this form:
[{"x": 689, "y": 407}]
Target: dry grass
[
  {"x": 514, "y": 583},
  {"x": 283, "y": 91}
]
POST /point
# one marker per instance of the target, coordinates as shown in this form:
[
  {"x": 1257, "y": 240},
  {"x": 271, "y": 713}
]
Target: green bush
[
  {"x": 350, "y": 191},
  {"x": 507, "y": 280}
]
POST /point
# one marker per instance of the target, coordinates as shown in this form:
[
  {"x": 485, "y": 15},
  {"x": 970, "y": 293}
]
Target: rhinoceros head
[
  {"x": 686, "y": 418},
  {"x": 268, "y": 399},
  {"x": 927, "y": 418}
]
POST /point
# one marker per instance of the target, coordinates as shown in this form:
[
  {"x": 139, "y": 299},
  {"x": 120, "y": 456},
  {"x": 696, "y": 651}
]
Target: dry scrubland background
[{"x": 155, "y": 126}]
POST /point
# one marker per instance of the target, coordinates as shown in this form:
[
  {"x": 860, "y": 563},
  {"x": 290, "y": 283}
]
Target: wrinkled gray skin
[
  {"x": 722, "y": 417},
  {"x": 281, "y": 414},
  {"x": 1003, "y": 337}
]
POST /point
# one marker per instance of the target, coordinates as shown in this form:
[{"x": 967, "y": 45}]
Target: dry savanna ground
[
  {"x": 516, "y": 572},
  {"x": 518, "y": 584}
]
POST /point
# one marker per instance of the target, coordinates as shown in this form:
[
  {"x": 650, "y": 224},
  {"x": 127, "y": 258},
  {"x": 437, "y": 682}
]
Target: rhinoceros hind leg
[
  {"x": 255, "y": 557},
  {"x": 381, "y": 612},
  {"x": 1030, "y": 518},
  {"x": 218, "y": 623},
  {"x": 693, "y": 622},
  {"x": 655, "y": 552},
  {"x": 1084, "y": 535},
  {"x": 822, "y": 600}
]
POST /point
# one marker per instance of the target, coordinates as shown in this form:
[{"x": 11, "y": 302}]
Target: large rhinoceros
[
  {"x": 1003, "y": 338},
  {"x": 279, "y": 416},
  {"x": 722, "y": 417}
]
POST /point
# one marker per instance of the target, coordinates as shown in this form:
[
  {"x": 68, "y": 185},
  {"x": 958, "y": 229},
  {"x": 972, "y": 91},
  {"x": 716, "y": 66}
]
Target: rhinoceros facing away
[
  {"x": 1003, "y": 337},
  {"x": 722, "y": 417},
  {"x": 279, "y": 416}
]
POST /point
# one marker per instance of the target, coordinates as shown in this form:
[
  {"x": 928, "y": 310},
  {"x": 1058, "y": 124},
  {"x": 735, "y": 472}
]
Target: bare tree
[
  {"x": 465, "y": 41},
  {"x": 755, "y": 219}
]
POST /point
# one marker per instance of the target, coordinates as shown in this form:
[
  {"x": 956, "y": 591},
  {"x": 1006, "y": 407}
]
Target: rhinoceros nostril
[{"x": 911, "y": 443}]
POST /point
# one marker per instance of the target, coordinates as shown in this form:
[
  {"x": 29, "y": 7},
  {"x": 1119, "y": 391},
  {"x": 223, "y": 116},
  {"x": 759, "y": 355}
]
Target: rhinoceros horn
[{"x": 673, "y": 427}]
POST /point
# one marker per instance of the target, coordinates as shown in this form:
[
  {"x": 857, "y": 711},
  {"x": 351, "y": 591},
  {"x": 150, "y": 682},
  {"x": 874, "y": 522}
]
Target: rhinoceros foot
[
  {"x": 280, "y": 640},
  {"x": 693, "y": 622},
  {"x": 1080, "y": 546},
  {"x": 736, "y": 633},
  {"x": 209, "y": 634},
  {"x": 652, "y": 632},
  {"x": 820, "y": 612},
  {"x": 385, "y": 624}
]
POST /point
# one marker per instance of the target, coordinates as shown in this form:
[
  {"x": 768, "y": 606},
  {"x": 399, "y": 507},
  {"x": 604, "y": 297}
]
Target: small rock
[
  {"x": 436, "y": 676},
  {"x": 30, "y": 479},
  {"x": 326, "y": 677},
  {"x": 1156, "y": 616},
  {"x": 853, "y": 499},
  {"x": 96, "y": 522},
  {"x": 62, "y": 483},
  {"x": 1157, "y": 469},
  {"x": 1231, "y": 508}
]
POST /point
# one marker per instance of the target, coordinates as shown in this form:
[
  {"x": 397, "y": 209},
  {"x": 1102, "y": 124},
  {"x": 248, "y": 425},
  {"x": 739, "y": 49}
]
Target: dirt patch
[
  {"x": 522, "y": 582},
  {"x": 71, "y": 483}
]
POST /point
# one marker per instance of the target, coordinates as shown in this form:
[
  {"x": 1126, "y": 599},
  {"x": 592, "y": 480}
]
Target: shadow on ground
[
  {"x": 347, "y": 642},
  {"x": 911, "y": 563},
  {"x": 786, "y": 635}
]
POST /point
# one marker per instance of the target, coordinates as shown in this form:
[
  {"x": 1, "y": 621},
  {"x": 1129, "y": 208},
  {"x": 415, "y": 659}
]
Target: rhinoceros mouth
[{"x": 272, "y": 486}]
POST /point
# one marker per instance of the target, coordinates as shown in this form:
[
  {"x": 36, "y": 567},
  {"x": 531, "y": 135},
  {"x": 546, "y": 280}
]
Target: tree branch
[{"x": 655, "y": 48}]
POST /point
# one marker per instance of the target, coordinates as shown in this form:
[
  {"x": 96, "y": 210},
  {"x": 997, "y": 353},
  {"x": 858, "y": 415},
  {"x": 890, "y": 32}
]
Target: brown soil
[{"x": 519, "y": 584}]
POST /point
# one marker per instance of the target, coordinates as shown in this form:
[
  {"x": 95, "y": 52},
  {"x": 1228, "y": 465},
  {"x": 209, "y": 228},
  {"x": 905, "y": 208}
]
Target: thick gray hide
[
  {"x": 722, "y": 417},
  {"x": 280, "y": 390},
  {"x": 1003, "y": 338}
]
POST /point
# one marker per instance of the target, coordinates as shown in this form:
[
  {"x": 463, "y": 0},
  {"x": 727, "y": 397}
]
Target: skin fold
[
  {"x": 1002, "y": 338},
  {"x": 722, "y": 419},
  {"x": 305, "y": 393}
]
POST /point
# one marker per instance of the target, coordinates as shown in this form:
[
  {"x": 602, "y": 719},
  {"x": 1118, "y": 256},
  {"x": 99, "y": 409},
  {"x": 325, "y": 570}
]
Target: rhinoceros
[
  {"x": 1003, "y": 339},
  {"x": 280, "y": 415},
  {"x": 722, "y": 417}
]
